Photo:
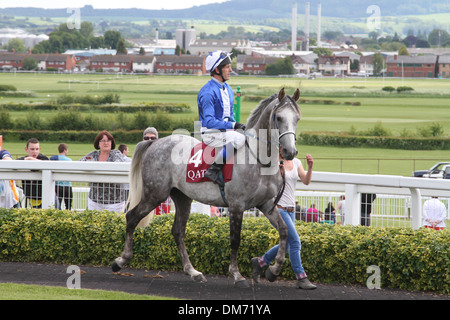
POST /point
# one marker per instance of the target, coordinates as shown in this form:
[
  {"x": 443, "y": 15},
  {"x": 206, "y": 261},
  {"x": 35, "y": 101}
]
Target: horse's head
[{"x": 285, "y": 116}]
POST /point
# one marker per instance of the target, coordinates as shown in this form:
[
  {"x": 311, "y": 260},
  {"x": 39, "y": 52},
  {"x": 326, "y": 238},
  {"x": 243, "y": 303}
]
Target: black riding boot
[{"x": 213, "y": 173}]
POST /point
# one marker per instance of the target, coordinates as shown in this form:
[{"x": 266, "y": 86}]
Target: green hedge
[
  {"x": 410, "y": 260},
  {"x": 122, "y": 136},
  {"x": 343, "y": 140},
  {"x": 93, "y": 107}
]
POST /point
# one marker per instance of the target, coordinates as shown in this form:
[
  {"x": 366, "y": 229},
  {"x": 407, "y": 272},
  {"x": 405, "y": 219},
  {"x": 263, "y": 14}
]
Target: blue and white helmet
[{"x": 217, "y": 58}]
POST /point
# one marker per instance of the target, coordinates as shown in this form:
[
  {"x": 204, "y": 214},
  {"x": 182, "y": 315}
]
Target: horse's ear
[
  {"x": 281, "y": 94},
  {"x": 296, "y": 95}
]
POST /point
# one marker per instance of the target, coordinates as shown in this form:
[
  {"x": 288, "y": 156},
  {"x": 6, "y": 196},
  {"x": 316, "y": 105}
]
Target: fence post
[
  {"x": 352, "y": 205},
  {"x": 237, "y": 105},
  {"x": 416, "y": 208},
  {"x": 48, "y": 189}
]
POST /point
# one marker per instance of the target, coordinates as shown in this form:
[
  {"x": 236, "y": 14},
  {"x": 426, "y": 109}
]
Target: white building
[{"x": 30, "y": 40}]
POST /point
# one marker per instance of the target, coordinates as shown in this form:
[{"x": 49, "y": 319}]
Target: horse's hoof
[
  {"x": 270, "y": 276},
  {"x": 199, "y": 278},
  {"x": 115, "y": 267},
  {"x": 242, "y": 284}
]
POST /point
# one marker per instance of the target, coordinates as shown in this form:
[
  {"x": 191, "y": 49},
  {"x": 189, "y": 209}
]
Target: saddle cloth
[{"x": 202, "y": 156}]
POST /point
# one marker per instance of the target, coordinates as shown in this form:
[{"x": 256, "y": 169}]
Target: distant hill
[{"x": 255, "y": 10}]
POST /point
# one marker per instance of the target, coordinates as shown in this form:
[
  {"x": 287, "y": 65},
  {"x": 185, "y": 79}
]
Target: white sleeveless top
[{"x": 288, "y": 197}]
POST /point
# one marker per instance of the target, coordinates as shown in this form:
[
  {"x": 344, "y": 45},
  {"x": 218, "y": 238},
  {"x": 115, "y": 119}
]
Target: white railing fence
[{"x": 398, "y": 200}]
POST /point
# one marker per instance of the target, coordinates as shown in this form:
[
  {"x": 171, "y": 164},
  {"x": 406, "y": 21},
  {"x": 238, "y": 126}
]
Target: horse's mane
[{"x": 257, "y": 112}]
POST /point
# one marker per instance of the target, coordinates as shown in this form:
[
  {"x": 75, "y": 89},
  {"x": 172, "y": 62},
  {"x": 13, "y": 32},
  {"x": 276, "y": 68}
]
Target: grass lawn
[
  {"x": 11, "y": 291},
  {"x": 398, "y": 113}
]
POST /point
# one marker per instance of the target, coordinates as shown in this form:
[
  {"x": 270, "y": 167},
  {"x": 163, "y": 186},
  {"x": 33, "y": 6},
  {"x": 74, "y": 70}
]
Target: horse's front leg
[
  {"x": 235, "y": 240},
  {"x": 277, "y": 221}
]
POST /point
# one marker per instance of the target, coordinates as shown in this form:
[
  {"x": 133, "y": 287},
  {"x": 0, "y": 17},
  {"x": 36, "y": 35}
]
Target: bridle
[{"x": 274, "y": 126}]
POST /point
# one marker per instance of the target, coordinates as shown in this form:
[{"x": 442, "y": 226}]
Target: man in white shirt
[{"x": 434, "y": 213}]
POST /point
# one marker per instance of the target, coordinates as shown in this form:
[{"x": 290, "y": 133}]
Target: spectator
[
  {"x": 105, "y": 196},
  {"x": 341, "y": 208},
  {"x": 434, "y": 213},
  {"x": 366, "y": 207},
  {"x": 33, "y": 188},
  {"x": 330, "y": 214},
  {"x": 9, "y": 197},
  {"x": 125, "y": 151},
  {"x": 63, "y": 188},
  {"x": 312, "y": 214},
  {"x": 150, "y": 134}
]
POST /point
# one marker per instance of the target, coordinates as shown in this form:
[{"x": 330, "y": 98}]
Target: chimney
[
  {"x": 319, "y": 17},
  {"x": 157, "y": 36},
  {"x": 395, "y": 57},
  {"x": 307, "y": 25},
  {"x": 294, "y": 27}
]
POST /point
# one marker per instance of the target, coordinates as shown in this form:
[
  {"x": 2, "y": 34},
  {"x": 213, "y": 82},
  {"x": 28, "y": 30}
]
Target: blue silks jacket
[{"x": 211, "y": 107}]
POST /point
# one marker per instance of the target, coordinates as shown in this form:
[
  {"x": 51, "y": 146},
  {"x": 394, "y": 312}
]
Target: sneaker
[
  {"x": 256, "y": 269},
  {"x": 304, "y": 284}
]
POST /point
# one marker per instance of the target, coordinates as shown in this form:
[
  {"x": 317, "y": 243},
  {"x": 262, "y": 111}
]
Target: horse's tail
[{"x": 136, "y": 182}]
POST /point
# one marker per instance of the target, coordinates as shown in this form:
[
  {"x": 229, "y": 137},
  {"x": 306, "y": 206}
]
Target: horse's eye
[{"x": 279, "y": 118}]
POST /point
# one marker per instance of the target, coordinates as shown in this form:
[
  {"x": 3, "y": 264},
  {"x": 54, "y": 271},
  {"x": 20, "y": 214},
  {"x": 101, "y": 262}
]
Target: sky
[{"x": 105, "y": 4}]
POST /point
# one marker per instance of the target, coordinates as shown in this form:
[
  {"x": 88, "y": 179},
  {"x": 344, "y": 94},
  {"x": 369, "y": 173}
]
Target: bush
[
  {"x": 7, "y": 87},
  {"x": 404, "y": 89},
  {"x": 388, "y": 89},
  {"x": 5, "y": 119},
  {"x": 410, "y": 260},
  {"x": 343, "y": 140}
]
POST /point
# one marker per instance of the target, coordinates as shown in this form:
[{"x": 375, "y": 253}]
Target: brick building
[
  {"x": 257, "y": 65},
  {"x": 46, "y": 61},
  {"x": 112, "y": 63},
  {"x": 444, "y": 66},
  {"x": 169, "y": 64},
  {"x": 411, "y": 67}
]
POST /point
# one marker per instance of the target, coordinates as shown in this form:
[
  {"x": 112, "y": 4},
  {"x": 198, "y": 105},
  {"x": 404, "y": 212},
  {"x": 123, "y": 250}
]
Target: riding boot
[{"x": 213, "y": 173}]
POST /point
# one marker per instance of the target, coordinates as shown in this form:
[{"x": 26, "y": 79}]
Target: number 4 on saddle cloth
[{"x": 202, "y": 156}]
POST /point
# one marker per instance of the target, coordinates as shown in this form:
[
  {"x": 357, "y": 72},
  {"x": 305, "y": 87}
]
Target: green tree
[
  {"x": 87, "y": 29},
  {"x": 121, "y": 47},
  {"x": 97, "y": 42},
  {"x": 403, "y": 52},
  {"x": 323, "y": 52},
  {"x": 16, "y": 45},
  {"x": 112, "y": 38},
  {"x": 282, "y": 66},
  {"x": 378, "y": 63},
  {"x": 29, "y": 63},
  {"x": 438, "y": 37}
]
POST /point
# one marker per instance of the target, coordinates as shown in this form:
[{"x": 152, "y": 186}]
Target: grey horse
[{"x": 158, "y": 169}]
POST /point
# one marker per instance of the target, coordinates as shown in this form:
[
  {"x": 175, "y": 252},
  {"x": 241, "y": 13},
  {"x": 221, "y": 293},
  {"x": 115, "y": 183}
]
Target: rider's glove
[{"x": 238, "y": 126}]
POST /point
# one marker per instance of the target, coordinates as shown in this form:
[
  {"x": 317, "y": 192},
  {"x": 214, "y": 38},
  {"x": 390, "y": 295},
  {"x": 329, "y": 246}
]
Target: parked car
[{"x": 440, "y": 170}]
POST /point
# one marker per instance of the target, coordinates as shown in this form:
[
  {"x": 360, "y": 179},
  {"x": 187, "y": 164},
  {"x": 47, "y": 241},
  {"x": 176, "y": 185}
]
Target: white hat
[{"x": 215, "y": 58}]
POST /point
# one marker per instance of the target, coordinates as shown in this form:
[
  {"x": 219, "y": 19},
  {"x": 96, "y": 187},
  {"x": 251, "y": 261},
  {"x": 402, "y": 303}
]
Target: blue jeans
[{"x": 293, "y": 245}]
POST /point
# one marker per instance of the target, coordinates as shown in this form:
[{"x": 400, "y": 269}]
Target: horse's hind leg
[
  {"x": 183, "y": 208},
  {"x": 133, "y": 217}
]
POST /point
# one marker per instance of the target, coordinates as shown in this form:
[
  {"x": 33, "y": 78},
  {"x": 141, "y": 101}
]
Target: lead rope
[{"x": 280, "y": 192}]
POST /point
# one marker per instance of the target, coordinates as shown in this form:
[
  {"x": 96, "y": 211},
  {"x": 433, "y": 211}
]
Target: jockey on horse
[{"x": 215, "y": 109}]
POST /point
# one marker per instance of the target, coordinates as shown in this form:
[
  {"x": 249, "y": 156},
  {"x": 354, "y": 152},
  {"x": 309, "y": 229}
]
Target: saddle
[{"x": 201, "y": 158}]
